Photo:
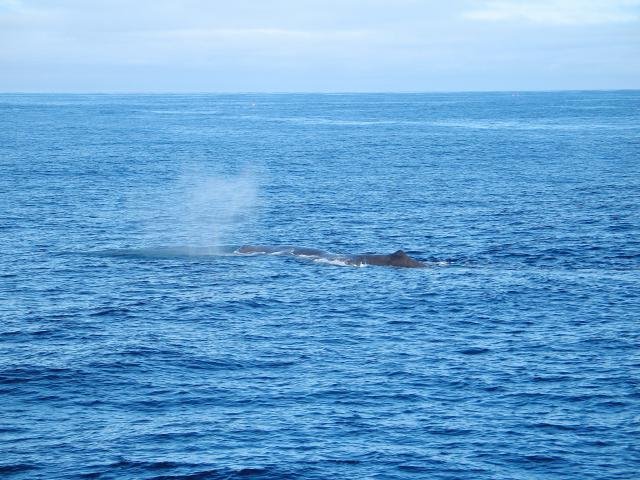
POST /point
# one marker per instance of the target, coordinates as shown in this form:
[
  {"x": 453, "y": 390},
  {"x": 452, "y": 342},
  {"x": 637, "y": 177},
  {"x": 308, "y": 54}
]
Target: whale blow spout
[{"x": 396, "y": 259}]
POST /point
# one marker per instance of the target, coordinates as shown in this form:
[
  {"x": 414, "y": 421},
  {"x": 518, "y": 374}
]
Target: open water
[{"x": 134, "y": 344}]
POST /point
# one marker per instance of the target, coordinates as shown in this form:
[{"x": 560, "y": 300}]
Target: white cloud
[
  {"x": 255, "y": 33},
  {"x": 10, "y": 4},
  {"x": 217, "y": 45},
  {"x": 558, "y": 12}
]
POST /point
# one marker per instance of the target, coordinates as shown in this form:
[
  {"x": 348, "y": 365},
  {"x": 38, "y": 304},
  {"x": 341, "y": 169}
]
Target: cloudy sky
[{"x": 317, "y": 45}]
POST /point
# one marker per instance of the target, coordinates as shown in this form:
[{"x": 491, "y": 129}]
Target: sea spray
[{"x": 202, "y": 210}]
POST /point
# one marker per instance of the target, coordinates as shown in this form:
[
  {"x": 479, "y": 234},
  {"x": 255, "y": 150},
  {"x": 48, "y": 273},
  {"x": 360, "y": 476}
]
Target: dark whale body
[{"x": 396, "y": 259}]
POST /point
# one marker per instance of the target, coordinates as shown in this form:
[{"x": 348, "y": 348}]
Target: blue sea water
[{"x": 133, "y": 346}]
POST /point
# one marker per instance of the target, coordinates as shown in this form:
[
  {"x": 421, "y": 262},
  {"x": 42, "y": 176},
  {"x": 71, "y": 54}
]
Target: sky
[{"x": 318, "y": 45}]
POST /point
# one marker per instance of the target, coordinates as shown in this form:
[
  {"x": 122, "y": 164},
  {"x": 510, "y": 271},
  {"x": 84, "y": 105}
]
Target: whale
[{"x": 396, "y": 259}]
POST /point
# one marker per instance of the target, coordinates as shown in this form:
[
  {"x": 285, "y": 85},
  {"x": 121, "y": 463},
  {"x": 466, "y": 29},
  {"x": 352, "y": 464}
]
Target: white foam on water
[
  {"x": 440, "y": 263},
  {"x": 247, "y": 254},
  {"x": 338, "y": 262}
]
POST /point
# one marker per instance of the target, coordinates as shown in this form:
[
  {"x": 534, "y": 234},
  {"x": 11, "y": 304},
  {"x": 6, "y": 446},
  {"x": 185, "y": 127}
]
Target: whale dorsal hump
[{"x": 399, "y": 254}]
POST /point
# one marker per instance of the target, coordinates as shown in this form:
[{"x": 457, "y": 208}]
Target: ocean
[{"x": 134, "y": 342}]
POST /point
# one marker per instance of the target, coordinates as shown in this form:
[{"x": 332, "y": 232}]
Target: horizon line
[{"x": 309, "y": 92}]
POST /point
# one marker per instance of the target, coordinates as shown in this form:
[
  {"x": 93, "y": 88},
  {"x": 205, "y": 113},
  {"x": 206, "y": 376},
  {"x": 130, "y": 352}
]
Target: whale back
[
  {"x": 400, "y": 259},
  {"x": 396, "y": 259}
]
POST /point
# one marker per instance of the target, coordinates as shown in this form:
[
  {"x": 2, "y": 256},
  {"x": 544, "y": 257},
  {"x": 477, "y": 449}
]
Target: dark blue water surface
[{"x": 133, "y": 346}]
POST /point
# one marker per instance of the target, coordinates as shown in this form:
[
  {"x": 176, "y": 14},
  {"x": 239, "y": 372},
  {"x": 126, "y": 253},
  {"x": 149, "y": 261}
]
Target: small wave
[
  {"x": 529, "y": 126},
  {"x": 438, "y": 263},
  {"x": 541, "y": 458},
  {"x": 128, "y": 467},
  {"x": 165, "y": 470},
  {"x": 16, "y": 468},
  {"x": 345, "y": 461},
  {"x": 28, "y": 374},
  {"x": 26, "y": 334},
  {"x": 556, "y": 426},
  {"x": 184, "y": 112},
  {"x": 332, "y": 121},
  {"x": 474, "y": 350},
  {"x": 111, "y": 311}
]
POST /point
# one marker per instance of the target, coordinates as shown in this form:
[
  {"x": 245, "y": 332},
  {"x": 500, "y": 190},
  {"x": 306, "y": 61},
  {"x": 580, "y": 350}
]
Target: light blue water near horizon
[{"x": 134, "y": 344}]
